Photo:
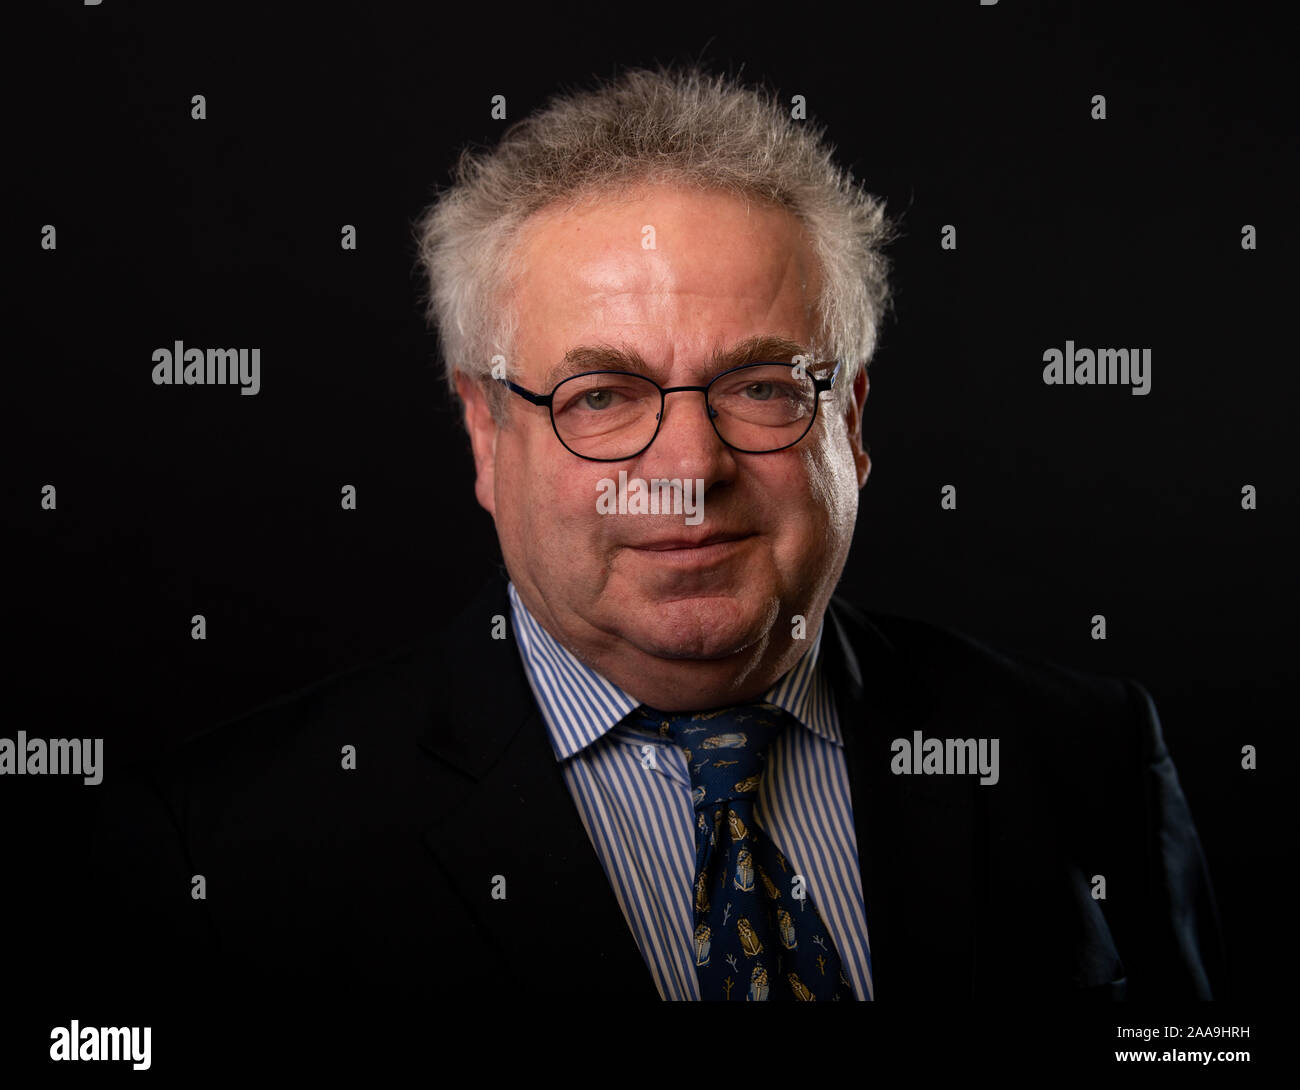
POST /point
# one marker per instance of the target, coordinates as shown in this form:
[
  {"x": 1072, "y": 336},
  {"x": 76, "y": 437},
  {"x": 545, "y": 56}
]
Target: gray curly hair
[{"x": 680, "y": 126}]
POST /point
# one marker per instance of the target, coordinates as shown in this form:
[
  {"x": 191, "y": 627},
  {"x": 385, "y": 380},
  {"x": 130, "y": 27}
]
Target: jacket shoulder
[
  {"x": 956, "y": 667},
  {"x": 1084, "y": 731}
]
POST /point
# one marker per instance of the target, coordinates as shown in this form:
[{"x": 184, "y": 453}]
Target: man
[{"x": 657, "y": 759}]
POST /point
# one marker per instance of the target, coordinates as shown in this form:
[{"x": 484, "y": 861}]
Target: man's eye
[
  {"x": 597, "y": 399},
  {"x": 759, "y": 391}
]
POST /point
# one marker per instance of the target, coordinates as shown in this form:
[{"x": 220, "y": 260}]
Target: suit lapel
[
  {"x": 916, "y": 834},
  {"x": 559, "y": 921}
]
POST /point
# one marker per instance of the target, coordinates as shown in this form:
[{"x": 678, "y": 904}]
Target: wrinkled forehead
[{"x": 662, "y": 270}]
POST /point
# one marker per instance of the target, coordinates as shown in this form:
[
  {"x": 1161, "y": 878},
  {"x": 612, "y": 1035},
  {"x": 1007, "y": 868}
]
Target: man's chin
[{"x": 703, "y": 628}]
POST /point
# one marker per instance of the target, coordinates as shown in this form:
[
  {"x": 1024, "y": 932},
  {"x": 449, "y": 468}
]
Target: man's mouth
[{"x": 697, "y": 541}]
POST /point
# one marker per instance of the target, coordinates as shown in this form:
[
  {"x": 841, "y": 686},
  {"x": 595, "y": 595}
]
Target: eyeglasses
[{"x": 611, "y": 416}]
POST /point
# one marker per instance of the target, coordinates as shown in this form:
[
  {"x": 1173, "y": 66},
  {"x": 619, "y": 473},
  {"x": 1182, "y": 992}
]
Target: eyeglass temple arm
[{"x": 537, "y": 399}]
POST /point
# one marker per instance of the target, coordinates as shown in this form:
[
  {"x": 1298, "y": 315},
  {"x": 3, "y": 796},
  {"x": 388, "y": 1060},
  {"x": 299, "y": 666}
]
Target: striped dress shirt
[{"x": 639, "y": 815}]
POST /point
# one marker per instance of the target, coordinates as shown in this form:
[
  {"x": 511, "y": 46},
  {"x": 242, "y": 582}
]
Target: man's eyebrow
[
  {"x": 760, "y": 349},
  {"x": 594, "y": 357},
  {"x": 603, "y": 357}
]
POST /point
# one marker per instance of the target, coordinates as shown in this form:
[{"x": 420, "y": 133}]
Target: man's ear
[
  {"x": 482, "y": 428},
  {"x": 853, "y": 421}
]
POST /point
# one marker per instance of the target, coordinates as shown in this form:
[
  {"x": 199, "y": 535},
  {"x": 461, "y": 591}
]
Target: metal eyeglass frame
[{"x": 820, "y": 386}]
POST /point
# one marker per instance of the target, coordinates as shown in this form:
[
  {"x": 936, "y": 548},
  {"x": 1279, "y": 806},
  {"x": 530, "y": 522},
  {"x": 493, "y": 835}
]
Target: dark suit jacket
[{"x": 379, "y": 880}]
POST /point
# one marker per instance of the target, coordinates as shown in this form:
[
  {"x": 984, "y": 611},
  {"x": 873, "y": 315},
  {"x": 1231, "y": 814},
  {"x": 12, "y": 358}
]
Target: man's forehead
[
  {"x": 640, "y": 284},
  {"x": 770, "y": 348},
  {"x": 664, "y": 241}
]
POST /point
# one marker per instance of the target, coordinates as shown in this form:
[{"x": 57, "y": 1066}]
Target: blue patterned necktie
[{"x": 754, "y": 939}]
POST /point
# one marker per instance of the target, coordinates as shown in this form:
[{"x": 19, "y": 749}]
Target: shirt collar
[{"x": 579, "y": 706}]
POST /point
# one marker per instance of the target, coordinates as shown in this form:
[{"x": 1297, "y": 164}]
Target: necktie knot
[{"x": 725, "y": 749}]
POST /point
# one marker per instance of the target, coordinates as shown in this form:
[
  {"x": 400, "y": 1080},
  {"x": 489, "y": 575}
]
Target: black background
[{"x": 1071, "y": 500}]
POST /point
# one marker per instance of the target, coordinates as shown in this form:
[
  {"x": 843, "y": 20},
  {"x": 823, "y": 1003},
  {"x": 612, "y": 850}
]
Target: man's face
[{"x": 669, "y": 624}]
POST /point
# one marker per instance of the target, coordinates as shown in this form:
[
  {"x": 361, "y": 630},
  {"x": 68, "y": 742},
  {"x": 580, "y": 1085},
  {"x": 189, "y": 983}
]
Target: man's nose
[{"x": 687, "y": 444}]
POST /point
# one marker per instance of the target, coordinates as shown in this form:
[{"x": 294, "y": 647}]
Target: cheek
[
  {"x": 832, "y": 481},
  {"x": 523, "y": 492},
  {"x": 797, "y": 508},
  {"x": 551, "y": 495}
]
